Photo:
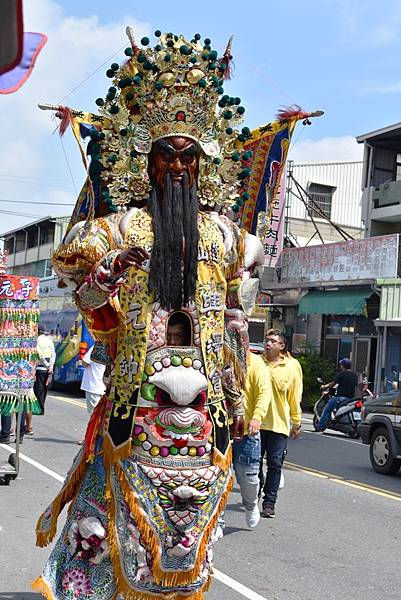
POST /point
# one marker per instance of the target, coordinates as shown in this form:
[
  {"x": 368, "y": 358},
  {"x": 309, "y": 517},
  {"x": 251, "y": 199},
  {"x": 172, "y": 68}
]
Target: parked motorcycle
[{"x": 345, "y": 418}]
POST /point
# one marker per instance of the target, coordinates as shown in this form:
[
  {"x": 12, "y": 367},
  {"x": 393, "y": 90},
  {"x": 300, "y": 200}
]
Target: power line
[
  {"x": 68, "y": 165},
  {"x": 30, "y": 177},
  {"x": 18, "y": 214},
  {"x": 33, "y": 202},
  {"x": 91, "y": 74},
  {"x": 52, "y": 185}
]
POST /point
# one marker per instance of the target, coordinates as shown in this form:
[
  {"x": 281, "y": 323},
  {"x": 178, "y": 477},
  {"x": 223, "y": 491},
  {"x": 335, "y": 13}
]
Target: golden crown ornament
[{"x": 174, "y": 88}]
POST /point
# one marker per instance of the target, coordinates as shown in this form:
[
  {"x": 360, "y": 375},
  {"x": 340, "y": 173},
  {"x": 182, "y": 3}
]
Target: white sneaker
[
  {"x": 281, "y": 484},
  {"x": 218, "y": 533},
  {"x": 252, "y": 517}
]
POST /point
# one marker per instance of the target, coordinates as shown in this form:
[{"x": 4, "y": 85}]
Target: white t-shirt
[{"x": 92, "y": 380}]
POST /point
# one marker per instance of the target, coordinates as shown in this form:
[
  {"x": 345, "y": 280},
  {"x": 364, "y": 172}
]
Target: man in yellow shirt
[
  {"x": 246, "y": 452},
  {"x": 283, "y": 418}
]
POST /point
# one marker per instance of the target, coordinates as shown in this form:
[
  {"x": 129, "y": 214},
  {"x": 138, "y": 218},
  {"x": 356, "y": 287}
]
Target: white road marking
[
  {"x": 34, "y": 463},
  {"x": 222, "y": 577},
  {"x": 236, "y": 586},
  {"x": 334, "y": 437}
]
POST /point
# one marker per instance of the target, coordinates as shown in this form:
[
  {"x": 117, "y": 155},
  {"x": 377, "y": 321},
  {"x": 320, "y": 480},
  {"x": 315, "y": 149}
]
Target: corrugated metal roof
[{"x": 346, "y": 177}]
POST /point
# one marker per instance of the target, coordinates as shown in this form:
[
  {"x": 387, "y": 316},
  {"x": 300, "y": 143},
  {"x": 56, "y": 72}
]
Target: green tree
[{"x": 314, "y": 366}]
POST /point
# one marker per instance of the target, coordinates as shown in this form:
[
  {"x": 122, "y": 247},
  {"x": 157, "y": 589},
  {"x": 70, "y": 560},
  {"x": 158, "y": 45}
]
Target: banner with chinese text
[
  {"x": 274, "y": 230},
  {"x": 269, "y": 146}
]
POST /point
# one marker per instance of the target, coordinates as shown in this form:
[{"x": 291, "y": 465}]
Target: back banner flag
[{"x": 263, "y": 211}]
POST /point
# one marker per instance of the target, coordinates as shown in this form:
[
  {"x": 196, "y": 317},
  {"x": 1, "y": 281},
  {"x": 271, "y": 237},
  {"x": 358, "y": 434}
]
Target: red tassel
[
  {"x": 93, "y": 429},
  {"x": 227, "y": 59},
  {"x": 65, "y": 114},
  {"x": 291, "y": 112},
  {"x": 227, "y": 71}
]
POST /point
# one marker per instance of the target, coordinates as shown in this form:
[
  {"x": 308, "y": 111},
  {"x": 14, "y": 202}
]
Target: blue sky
[{"x": 340, "y": 56}]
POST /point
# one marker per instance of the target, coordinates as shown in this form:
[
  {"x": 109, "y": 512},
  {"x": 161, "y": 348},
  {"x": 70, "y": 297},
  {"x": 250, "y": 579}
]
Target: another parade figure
[{"x": 152, "y": 479}]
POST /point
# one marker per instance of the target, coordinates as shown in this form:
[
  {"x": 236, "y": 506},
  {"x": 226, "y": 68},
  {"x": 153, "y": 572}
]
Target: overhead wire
[
  {"x": 51, "y": 185},
  {"x": 69, "y": 94},
  {"x": 30, "y": 177},
  {"x": 34, "y": 202},
  {"x": 68, "y": 165},
  {"x": 19, "y": 214},
  {"x": 91, "y": 74}
]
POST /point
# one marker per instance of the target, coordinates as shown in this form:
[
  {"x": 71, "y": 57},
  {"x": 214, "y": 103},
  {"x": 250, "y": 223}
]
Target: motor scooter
[{"x": 345, "y": 418}]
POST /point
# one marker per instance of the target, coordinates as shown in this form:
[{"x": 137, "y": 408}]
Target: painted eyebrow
[{"x": 167, "y": 147}]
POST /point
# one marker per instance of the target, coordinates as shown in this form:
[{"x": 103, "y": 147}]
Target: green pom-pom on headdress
[
  {"x": 244, "y": 173},
  {"x": 145, "y": 41},
  {"x": 158, "y": 33},
  {"x": 99, "y": 101}
]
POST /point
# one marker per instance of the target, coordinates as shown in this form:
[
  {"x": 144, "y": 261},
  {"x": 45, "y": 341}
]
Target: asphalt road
[{"x": 337, "y": 533}]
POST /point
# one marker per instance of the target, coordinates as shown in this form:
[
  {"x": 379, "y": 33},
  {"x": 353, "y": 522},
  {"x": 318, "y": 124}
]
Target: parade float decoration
[
  {"x": 149, "y": 486},
  {"x": 19, "y": 315}
]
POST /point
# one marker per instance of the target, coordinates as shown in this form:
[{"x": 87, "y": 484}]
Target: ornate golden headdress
[{"x": 174, "y": 88}]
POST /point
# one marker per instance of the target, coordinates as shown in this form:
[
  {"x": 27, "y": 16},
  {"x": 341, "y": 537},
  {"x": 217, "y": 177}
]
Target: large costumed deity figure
[{"x": 148, "y": 488}]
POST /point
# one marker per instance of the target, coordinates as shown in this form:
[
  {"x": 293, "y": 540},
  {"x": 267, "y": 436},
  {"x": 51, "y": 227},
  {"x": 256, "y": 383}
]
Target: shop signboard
[{"x": 371, "y": 258}]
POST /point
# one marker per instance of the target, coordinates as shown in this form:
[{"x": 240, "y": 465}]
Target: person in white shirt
[
  {"x": 43, "y": 373},
  {"x": 92, "y": 381}
]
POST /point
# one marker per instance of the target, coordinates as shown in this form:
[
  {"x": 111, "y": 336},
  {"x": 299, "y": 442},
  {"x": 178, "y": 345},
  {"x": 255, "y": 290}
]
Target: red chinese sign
[{"x": 15, "y": 287}]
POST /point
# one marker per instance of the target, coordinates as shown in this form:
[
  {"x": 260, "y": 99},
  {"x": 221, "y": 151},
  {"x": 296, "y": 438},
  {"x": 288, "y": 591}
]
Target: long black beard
[{"x": 174, "y": 260}]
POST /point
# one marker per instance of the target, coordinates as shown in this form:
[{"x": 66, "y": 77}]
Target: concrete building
[
  {"x": 30, "y": 247},
  {"x": 335, "y": 187},
  {"x": 381, "y": 180},
  {"x": 381, "y": 210},
  {"x": 330, "y": 295}
]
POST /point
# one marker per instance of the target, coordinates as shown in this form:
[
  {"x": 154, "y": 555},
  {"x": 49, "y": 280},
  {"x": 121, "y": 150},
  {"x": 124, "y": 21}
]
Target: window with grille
[
  {"x": 48, "y": 268},
  {"x": 320, "y": 199},
  {"x": 398, "y": 167}
]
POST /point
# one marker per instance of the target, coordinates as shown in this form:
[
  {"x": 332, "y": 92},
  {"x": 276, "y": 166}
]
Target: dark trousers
[
  {"x": 6, "y": 425},
  {"x": 40, "y": 388},
  {"x": 274, "y": 446}
]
